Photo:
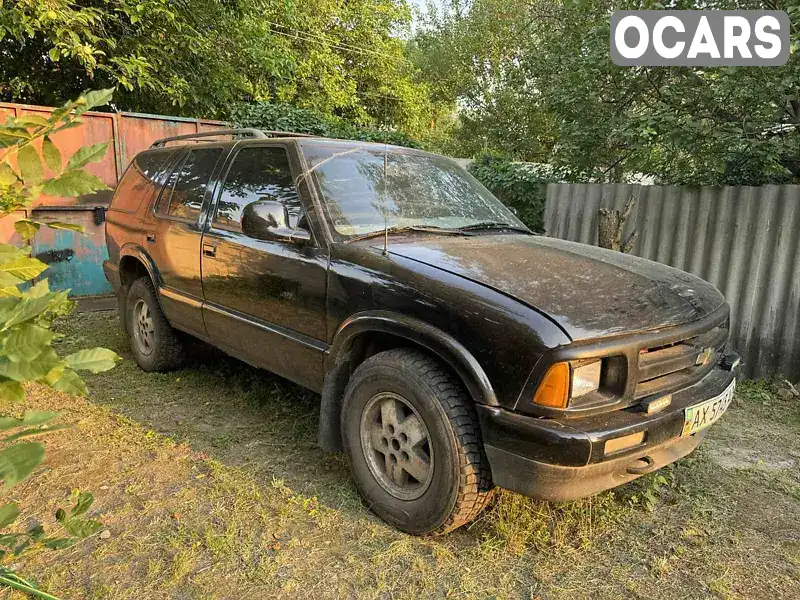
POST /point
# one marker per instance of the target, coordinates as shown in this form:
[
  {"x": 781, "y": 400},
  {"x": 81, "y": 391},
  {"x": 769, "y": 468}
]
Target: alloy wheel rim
[
  {"x": 397, "y": 446},
  {"x": 143, "y": 327}
]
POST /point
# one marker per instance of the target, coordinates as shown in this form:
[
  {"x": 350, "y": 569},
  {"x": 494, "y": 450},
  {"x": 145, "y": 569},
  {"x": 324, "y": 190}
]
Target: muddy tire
[
  {"x": 413, "y": 443},
  {"x": 154, "y": 343}
]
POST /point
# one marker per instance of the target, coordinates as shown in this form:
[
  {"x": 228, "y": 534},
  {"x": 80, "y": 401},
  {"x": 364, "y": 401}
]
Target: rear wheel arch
[{"x": 367, "y": 334}]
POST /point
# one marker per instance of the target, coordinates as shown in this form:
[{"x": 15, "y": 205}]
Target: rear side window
[
  {"x": 186, "y": 186},
  {"x": 140, "y": 180},
  {"x": 259, "y": 173}
]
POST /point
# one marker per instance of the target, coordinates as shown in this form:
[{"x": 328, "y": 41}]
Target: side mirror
[{"x": 269, "y": 221}]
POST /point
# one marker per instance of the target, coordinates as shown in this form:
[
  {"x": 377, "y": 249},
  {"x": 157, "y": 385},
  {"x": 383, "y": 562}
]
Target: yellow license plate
[{"x": 698, "y": 417}]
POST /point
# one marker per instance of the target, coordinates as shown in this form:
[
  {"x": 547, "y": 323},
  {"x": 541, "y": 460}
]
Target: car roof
[{"x": 302, "y": 140}]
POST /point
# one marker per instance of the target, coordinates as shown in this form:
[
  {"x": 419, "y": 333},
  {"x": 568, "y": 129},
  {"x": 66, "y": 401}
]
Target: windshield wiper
[
  {"x": 495, "y": 226},
  {"x": 398, "y": 229}
]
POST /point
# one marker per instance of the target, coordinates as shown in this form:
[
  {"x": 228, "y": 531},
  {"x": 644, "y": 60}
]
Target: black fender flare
[
  {"x": 132, "y": 250},
  {"x": 136, "y": 251},
  {"x": 339, "y": 363}
]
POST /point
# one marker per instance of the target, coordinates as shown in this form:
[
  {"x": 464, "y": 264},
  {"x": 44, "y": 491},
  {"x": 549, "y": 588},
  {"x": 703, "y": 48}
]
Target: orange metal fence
[{"x": 76, "y": 259}]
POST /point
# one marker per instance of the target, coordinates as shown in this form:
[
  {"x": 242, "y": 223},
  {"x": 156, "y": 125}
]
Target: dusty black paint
[{"x": 497, "y": 308}]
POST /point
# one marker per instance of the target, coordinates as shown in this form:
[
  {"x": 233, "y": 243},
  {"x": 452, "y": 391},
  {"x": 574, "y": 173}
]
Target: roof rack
[
  {"x": 254, "y": 134},
  {"x": 251, "y": 133}
]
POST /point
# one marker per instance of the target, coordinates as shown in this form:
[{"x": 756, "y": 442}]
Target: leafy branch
[{"x": 27, "y": 312}]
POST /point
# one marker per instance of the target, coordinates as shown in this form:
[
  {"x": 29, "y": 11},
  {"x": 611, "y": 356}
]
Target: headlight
[
  {"x": 586, "y": 378},
  {"x": 554, "y": 390}
]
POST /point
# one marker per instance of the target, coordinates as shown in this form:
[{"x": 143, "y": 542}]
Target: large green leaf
[
  {"x": 95, "y": 360},
  {"x": 59, "y": 543},
  {"x": 10, "y": 252},
  {"x": 82, "y": 504},
  {"x": 37, "y": 290},
  {"x": 81, "y": 528},
  {"x": 86, "y": 155},
  {"x": 74, "y": 183},
  {"x": 17, "y": 133},
  {"x": 23, "y": 268},
  {"x": 68, "y": 226},
  {"x": 19, "y": 460},
  {"x": 26, "y": 228},
  {"x": 7, "y": 175},
  {"x": 27, "y": 342},
  {"x": 52, "y": 155},
  {"x": 27, "y": 309},
  {"x": 32, "y": 370},
  {"x": 8, "y": 514},
  {"x": 32, "y": 121},
  {"x": 11, "y": 391},
  {"x": 94, "y": 98},
  {"x": 30, "y": 418},
  {"x": 7, "y": 279},
  {"x": 71, "y": 383},
  {"x": 30, "y": 165}
]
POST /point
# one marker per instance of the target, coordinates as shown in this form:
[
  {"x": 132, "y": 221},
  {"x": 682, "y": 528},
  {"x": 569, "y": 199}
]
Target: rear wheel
[
  {"x": 154, "y": 343},
  {"x": 413, "y": 443}
]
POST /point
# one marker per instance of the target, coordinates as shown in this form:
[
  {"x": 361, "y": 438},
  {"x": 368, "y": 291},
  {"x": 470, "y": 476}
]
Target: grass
[{"x": 211, "y": 486}]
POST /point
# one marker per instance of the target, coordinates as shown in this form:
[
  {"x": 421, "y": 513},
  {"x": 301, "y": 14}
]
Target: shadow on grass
[
  {"x": 686, "y": 531},
  {"x": 247, "y": 417}
]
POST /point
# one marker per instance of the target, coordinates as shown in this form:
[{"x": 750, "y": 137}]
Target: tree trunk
[
  {"x": 611, "y": 227},
  {"x": 608, "y": 229}
]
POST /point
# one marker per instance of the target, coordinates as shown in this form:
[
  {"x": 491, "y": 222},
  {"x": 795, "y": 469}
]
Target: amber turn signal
[{"x": 554, "y": 389}]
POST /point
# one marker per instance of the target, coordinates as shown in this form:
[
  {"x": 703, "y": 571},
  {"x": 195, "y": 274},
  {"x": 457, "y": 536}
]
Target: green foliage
[
  {"x": 27, "y": 310},
  {"x": 534, "y": 81},
  {"x": 73, "y": 521},
  {"x": 285, "y": 117},
  {"x": 521, "y": 186},
  {"x": 20, "y": 186},
  {"x": 647, "y": 492},
  {"x": 200, "y": 57}
]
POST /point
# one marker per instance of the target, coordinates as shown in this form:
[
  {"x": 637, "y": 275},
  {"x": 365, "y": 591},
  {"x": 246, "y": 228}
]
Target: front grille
[{"x": 668, "y": 368}]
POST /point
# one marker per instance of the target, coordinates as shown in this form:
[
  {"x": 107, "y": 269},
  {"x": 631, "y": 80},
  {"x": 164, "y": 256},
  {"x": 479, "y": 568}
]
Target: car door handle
[
  {"x": 210, "y": 250},
  {"x": 151, "y": 238}
]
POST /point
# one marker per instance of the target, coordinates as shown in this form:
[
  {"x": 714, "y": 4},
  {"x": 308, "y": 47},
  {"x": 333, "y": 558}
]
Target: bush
[
  {"x": 285, "y": 117},
  {"x": 521, "y": 186}
]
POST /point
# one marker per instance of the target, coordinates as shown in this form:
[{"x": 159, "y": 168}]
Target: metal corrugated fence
[{"x": 744, "y": 240}]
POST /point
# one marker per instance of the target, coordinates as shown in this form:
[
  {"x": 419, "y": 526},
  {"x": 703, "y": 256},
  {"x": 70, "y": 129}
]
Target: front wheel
[{"x": 413, "y": 442}]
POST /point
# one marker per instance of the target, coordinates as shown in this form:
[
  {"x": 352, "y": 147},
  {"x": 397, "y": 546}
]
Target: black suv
[{"x": 454, "y": 349}]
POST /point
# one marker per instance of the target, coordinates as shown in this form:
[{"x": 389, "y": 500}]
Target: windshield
[{"x": 366, "y": 189}]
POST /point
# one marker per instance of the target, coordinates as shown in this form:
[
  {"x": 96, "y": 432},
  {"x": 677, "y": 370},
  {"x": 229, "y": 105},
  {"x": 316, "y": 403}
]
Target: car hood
[{"x": 590, "y": 292}]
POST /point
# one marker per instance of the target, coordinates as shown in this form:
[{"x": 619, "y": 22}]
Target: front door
[
  {"x": 174, "y": 232},
  {"x": 265, "y": 300}
]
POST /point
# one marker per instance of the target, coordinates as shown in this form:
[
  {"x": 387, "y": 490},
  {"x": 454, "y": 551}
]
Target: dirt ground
[{"x": 210, "y": 486}]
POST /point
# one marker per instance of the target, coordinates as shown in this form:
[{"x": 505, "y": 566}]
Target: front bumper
[{"x": 565, "y": 459}]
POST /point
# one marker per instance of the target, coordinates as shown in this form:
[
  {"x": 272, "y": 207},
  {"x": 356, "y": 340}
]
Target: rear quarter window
[{"x": 140, "y": 181}]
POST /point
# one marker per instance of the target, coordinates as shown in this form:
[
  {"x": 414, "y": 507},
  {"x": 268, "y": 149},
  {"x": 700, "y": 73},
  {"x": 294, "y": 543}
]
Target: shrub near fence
[
  {"x": 744, "y": 240},
  {"x": 521, "y": 186}
]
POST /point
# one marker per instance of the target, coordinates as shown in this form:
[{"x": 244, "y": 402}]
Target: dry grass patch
[{"x": 211, "y": 485}]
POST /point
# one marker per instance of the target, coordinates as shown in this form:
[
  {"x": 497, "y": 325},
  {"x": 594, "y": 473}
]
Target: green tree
[
  {"x": 199, "y": 57},
  {"x": 27, "y": 311},
  {"x": 534, "y": 81}
]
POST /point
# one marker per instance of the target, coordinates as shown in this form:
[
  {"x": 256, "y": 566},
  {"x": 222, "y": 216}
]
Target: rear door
[
  {"x": 174, "y": 232},
  {"x": 265, "y": 300}
]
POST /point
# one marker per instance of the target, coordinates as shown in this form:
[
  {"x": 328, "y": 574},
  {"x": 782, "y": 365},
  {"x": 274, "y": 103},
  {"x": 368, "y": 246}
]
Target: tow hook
[{"x": 640, "y": 466}]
